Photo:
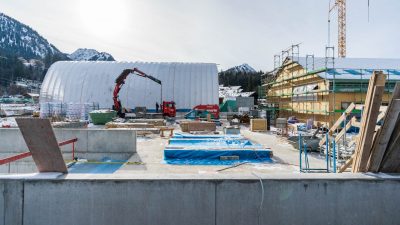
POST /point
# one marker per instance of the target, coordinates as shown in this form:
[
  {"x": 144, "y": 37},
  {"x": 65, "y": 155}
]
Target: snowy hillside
[
  {"x": 19, "y": 39},
  {"x": 84, "y": 54},
  {"x": 244, "y": 68}
]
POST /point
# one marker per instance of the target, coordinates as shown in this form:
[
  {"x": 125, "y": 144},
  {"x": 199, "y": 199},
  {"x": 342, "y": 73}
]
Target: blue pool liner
[{"x": 97, "y": 168}]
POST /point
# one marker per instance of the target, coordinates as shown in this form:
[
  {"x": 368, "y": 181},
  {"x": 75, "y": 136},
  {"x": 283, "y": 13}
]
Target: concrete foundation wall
[
  {"x": 200, "y": 201},
  {"x": 93, "y": 144}
]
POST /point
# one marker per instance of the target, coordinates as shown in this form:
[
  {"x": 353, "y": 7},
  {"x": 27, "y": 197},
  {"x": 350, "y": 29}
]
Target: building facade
[{"x": 320, "y": 89}]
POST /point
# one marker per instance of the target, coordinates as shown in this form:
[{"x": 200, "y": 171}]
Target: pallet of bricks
[{"x": 377, "y": 147}]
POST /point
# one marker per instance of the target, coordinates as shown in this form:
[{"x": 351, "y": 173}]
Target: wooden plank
[
  {"x": 386, "y": 164},
  {"x": 383, "y": 139},
  {"x": 377, "y": 80},
  {"x": 338, "y": 122},
  {"x": 366, "y": 139},
  {"x": 391, "y": 161},
  {"x": 42, "y": 143},
  {"x": 345, "y": 129},
  {"x": 346, "y": 164}
]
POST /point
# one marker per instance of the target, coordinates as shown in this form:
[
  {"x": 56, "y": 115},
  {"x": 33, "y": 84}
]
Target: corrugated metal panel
[{"x": 188, "y": 84}]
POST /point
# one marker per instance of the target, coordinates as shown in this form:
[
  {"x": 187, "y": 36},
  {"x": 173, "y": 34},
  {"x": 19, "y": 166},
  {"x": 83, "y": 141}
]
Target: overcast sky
[{"x": 227, "y": 32}]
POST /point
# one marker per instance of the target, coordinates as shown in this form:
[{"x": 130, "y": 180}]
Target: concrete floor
[{"x": 286, "y": 158}]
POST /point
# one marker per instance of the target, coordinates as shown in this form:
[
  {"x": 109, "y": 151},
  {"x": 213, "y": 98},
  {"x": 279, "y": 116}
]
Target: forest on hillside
[{"x": 248, "y": 81}]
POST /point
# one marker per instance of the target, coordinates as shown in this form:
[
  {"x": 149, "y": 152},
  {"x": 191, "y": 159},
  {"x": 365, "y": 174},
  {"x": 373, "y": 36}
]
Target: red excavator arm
[{"x": 121, "y": 81}]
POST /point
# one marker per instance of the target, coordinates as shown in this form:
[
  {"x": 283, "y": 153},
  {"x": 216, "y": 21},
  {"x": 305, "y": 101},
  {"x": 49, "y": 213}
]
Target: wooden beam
[
  {"x": 373, "y": 101},
  {"x": 338, "y": 122},
  {"x": 383, "y": 139},
  {"x": 346, "y": 164},
  {"x": 369, "y": 128},
  {"x": 386, "y": 165},
  {"x": 390, "y": 162},
  {"x": 344, "y": 130}
]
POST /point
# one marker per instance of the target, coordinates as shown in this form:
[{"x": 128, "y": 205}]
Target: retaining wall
[{"x": 182, "y": 200}]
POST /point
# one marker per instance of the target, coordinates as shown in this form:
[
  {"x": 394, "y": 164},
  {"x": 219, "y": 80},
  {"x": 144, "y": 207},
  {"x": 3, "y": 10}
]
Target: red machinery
[
  {"x": 168, "y": 109},
  {"x": 120, "y": 81}
]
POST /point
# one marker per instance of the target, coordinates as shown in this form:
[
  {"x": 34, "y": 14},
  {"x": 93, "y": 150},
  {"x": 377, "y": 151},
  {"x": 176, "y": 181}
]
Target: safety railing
[{"x": 27, "y": 154}]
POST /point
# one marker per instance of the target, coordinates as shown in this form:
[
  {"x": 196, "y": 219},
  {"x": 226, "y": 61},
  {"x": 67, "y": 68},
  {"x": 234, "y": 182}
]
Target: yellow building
[{"x": 320, "y": 89}]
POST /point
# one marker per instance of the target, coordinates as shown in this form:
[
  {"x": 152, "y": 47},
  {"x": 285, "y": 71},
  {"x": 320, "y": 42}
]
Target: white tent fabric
[{"x": 187, "y": 84}]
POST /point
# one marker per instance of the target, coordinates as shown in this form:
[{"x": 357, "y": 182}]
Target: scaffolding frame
[{"x": 285, "y": 101}]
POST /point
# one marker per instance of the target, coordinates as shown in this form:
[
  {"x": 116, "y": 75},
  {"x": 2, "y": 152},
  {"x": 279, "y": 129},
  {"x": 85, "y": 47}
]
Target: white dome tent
[{"x": 187, "y": 84}]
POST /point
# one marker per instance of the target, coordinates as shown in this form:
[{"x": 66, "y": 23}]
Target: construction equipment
[
  {"x": 120, "y": 81},
  {"x": 202, "y": 112},
  {"x": 168, "y": 109},
  {"x": 341, "y": 8}
]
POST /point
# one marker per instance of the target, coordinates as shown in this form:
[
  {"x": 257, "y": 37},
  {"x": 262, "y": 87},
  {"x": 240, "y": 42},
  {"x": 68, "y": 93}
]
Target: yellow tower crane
[{"x": 340, "y": 5}]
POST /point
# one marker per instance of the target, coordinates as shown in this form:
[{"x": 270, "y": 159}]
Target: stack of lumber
[
  {"x": 189, "y": 126},
  {"x": 377, "y": 147},
  {"x": 155, "y": 122},
  {"x": 259, "y": 125},
  {"x": 128, "y": 125}
]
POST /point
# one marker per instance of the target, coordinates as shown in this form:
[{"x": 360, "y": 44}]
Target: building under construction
[{"x": 321, "y": 88}]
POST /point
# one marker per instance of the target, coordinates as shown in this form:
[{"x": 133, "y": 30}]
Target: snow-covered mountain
[
  {"x": 84, "y": 54},
  {"x": 244, "y": 68},
  {"x": 19, "y": 39}
]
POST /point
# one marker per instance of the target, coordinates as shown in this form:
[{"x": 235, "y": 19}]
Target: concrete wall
[
  {"x": 182, "y": 201},
  {"x": 93, "y": 144}
]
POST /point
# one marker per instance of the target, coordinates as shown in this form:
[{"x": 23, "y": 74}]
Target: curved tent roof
[{"x": 188, "y": 84}]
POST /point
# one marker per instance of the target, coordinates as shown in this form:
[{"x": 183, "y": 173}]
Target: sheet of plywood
[{"x": 42, "y": 143}]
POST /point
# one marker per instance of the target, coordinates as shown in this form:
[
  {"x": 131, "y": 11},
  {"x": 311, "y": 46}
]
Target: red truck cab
[{"x": 168, "y": 109}]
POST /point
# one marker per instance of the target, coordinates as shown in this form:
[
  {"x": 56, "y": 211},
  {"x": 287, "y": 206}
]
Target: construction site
[{"x": 116, "y": 142}]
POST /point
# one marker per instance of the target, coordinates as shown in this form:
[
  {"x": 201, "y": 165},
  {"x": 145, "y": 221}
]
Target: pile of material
[
  {"x": 189, "y": 126},
  {"x": 155, "y": 122},
  {"x": 377, "y": 146},
  {"x": 128, "y": 125},
  {"x": 258, "y": 125}
]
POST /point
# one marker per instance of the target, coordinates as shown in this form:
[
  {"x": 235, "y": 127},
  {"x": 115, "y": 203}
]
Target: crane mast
[
  {"x": 341, "y": 8},
  {"x": 341, "y": 4}
]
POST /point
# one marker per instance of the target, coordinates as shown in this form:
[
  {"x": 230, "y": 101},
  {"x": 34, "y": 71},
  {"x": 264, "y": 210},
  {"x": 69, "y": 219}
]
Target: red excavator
[{"x": 168, "y": 109}]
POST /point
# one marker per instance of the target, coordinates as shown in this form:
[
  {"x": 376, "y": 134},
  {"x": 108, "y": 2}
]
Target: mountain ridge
[{"x": 243, "y": 68}]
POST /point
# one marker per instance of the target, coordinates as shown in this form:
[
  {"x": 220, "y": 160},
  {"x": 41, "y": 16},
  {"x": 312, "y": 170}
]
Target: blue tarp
[
  {"x": 212, "y": 157},
  {"x": 236, "y": 143},
  {"x": 212, "y": 162}
]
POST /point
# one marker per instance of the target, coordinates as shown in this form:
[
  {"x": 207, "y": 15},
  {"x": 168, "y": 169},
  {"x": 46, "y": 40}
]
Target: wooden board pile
[
  {"x": 189, "y": 126},
  {"x": 128, "y": 125},
  {"x": 258, "y": 125},
  {"x": 378, "y": 147}
]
